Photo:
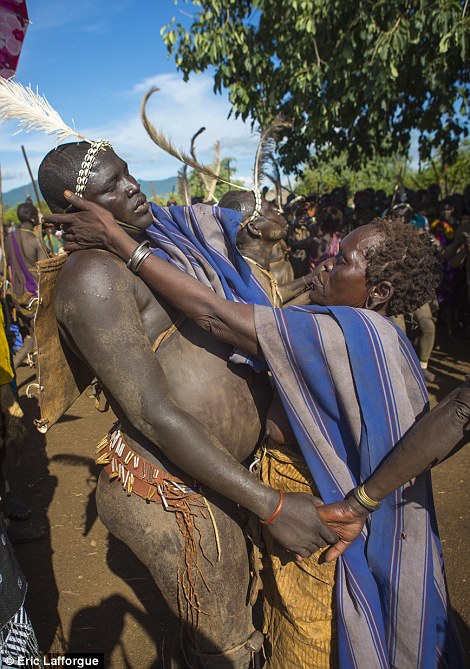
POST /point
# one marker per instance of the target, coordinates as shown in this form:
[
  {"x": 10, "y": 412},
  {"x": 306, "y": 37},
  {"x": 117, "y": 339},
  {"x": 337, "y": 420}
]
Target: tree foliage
[
  {"x": 386, "y": 173},
  {"x": 354, "y": 78}
]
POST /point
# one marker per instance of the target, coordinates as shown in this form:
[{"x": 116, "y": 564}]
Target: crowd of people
[
  {"x": 294, "y": 301},
  {"x": 317, "y": 225}
]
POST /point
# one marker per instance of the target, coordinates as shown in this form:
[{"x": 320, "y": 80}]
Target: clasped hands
[{"x": 306, "y": 525}]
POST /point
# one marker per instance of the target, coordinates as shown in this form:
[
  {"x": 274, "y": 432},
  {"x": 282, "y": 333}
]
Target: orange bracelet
[{"x": 276, "y": 511}]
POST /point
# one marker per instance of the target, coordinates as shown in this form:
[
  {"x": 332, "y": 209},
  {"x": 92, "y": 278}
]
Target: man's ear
[
  {"x": 253, "y": 228},
  {"x": 379, "y": 296}
]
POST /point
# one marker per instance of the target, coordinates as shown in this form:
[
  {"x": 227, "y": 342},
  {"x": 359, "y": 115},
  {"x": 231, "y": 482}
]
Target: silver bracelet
[{"x": 138, "y": 256}]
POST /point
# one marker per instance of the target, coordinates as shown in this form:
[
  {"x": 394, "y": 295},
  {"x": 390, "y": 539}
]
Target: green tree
[
  {"x": 386, "y": 173},
  {"x": 354, "y": 78}
]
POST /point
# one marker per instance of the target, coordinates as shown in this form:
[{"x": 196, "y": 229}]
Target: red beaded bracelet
[{"x": 276, "y": 511}]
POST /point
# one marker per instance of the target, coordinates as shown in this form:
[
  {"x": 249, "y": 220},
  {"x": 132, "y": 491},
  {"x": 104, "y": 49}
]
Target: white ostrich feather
[{"x": 32, "y": 111}]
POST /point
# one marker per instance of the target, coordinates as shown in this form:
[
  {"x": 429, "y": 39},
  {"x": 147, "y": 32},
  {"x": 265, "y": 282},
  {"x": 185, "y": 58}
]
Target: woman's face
[{"x": 341, "y": 281}]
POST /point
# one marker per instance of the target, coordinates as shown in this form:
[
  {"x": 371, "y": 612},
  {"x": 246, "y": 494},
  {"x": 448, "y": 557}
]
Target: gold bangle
[{"x": 364, "y": 499}]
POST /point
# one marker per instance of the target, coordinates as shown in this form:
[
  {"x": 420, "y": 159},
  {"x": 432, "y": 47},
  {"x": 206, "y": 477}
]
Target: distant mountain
[{"x": 163, "y": 187}]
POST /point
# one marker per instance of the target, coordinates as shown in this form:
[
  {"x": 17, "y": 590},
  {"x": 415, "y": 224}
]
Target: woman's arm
[
  {"x": 293, "y": 289},
  {"x": 94, "y": 227}
]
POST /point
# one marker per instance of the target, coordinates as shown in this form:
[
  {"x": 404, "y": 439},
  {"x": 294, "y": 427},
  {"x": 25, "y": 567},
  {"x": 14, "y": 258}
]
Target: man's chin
[{"x": 137, "y": 225}]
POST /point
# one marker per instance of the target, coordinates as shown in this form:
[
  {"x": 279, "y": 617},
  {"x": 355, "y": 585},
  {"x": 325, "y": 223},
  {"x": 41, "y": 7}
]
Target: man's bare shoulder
[
  {"x": 92, "y": 281},
  {"x": 92, "y": 269}
]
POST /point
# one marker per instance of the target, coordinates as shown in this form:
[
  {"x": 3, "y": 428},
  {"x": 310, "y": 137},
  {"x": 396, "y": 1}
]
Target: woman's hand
[
  {"x": 298, "y": 527},
  {"x": 347, "y": 519},
  {"x": 90, "y": 228}
]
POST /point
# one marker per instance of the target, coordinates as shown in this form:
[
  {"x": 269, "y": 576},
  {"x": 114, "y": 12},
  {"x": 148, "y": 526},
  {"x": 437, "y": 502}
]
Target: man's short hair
[
  {"x": 58, "y": 172},
  {"x": 27, "y": 212}
]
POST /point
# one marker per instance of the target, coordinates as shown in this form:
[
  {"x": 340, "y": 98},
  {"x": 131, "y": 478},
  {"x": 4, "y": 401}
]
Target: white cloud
[{"x": 179, "y": 109}]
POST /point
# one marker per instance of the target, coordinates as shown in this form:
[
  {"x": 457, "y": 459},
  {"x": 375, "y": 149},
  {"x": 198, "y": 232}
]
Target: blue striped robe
[
  {"x": 352, "y": 386},
  {"x": 201, "y": 241}
]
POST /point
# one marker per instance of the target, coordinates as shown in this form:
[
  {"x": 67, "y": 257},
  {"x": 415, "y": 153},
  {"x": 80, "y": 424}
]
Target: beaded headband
[
  {"x": 256, "y": 211},
  {"x": 87, "y": 164}
]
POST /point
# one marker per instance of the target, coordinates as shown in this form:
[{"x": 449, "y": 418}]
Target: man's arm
[
  {"x": 96, "y": 306},
  {"x": 439, "y": 434}
]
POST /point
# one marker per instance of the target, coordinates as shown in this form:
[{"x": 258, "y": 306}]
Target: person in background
[
  {"x": 301, "y": 234},
  {"x": 330, "y": 223},
  {"x": 24, "y": 249},
  {"x": 444, "y": 229}
]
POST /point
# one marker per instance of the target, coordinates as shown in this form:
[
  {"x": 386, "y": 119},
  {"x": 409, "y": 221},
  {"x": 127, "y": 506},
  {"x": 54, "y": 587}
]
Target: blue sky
[{"x": 94, "y": 60}]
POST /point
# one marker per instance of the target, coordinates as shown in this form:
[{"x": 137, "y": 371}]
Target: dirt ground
[{"x": 87, "y": 592}]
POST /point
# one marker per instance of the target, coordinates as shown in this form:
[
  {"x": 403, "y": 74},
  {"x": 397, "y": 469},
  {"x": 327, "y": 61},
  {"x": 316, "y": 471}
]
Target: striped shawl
[{"x": 352, "y": 387}]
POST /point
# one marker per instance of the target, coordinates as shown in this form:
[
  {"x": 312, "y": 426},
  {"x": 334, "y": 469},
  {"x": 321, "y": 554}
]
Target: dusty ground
[{"x": 87, "y": 592}]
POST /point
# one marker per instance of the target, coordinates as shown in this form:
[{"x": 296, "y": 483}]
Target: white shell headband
[{"x": 87, "y": 164}]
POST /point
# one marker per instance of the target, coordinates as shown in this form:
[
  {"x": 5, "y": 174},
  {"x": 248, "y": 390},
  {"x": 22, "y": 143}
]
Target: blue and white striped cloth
[
  {"x": 352, "y": 386},
  {"x": 201, "y": 241}
]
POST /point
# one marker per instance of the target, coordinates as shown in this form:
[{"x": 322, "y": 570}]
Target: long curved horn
[{"x": 167, "y": 145}]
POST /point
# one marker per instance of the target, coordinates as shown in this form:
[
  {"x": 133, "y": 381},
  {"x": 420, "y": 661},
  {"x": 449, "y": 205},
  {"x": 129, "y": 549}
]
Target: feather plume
[
  {"x": 276, "y": 179},
  {"x": 192, "y": 150},
  {"x": 266, "y": 147},
  {"x": 32, "y": 111},
  {"x": 209, "y": 183},
  {"x": 193, "y": 142},
  {"x": 168, "y": 146},
  {"x": 212, "y": 183},
  {"x": 182, "y": 185}
]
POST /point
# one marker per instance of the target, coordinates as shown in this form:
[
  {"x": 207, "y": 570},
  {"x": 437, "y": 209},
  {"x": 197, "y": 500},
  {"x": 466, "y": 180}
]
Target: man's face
[
  {"x": 111, "y": 186},
  {"x": 341, "y": 281},
  {"x": 271, "y": 223}
]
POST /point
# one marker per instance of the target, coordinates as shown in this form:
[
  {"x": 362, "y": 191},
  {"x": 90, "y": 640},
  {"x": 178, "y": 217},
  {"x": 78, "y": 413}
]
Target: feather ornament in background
[
  {"x": 33, "y": 111},
  {"x": 209, "y": 183},
  {"x": 182, "y": 185},
  {"x": 193, "y": 142},
  {"x": 266, "y": 149},
  {"x": 275, "y": 178},
  {"x": 167, "y": 145}
]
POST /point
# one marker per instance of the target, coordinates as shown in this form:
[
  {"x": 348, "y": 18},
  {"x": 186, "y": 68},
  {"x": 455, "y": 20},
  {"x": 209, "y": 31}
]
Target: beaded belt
[{"x": 142, "y": 478}]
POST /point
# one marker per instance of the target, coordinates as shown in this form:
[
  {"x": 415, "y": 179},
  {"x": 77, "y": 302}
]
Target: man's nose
[
  {"x": 329, "y": 264},
  {"x": 132, "y": 187}
]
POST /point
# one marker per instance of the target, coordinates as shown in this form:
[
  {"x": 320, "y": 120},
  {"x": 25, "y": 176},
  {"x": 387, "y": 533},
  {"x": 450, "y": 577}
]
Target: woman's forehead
[{"x": 360, "y": 239}]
